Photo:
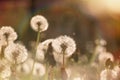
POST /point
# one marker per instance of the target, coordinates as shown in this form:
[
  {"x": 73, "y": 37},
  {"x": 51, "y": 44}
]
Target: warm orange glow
[{"x": 99, "y": 7}]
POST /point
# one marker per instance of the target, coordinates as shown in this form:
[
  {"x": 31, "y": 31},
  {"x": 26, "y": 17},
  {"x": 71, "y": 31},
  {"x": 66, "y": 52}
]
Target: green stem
[
  {"x": 37, "y": 41},
  {"x": 63, "y": 59}
]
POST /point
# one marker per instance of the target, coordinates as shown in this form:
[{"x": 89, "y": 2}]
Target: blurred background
[{"x": 83, "y": 20}]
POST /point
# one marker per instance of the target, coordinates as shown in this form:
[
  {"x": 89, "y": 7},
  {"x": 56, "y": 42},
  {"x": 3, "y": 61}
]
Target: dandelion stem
[
  {"x": 37, "y": 41},
  {"x": 63, "y": 59}
]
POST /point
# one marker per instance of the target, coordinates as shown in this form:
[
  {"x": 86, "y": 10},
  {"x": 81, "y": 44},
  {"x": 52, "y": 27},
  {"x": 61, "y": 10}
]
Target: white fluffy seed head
[
  {"x": 42, "y": 48},
  {"x": 39, "y": 23},
  {"x": 16, "y": 53},
  {"x": 8, "y": 34},
  {"x": 68, "y": 42}
]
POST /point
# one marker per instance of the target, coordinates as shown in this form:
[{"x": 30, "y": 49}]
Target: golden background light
[{"x": 100, "y": 7}]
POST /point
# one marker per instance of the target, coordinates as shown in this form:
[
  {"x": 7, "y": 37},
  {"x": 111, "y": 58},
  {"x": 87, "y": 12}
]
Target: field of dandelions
[{"x": 53, "y": 59}]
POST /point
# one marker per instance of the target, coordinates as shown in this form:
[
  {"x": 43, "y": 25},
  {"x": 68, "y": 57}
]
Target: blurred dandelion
[
  {"x": 16, "y": 53},
  {"x": 63, "y": 47},
  {"x": 39, "y": 23},
  {"x": 8, "y": 34},
  {"x": 42, "y": 49}
]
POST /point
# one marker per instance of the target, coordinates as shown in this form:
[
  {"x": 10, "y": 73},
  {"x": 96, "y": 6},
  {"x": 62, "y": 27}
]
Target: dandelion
[
  {"x": 39, "y": 23},
  {"x": 64, "y": 41},
  {"x": 64, "y": 46},
  {"x": 16, "y": 53},
  {"x": 8, "y": 34},
  {"x": 42, "y": 48}
]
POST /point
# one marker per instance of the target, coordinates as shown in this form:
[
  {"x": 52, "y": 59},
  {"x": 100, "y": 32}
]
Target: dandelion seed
[
  {"x": 42, "y": 48},
  {"x": 16, "y": 53},
  {"x": 68, "y": 43},
  {"x": 39, "y": 23},
  {"x": 8, "y": 34},
  {"x": 108, "y": 74}
]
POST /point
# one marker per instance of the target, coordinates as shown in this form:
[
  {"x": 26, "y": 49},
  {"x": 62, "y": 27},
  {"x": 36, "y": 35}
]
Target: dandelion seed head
[
  {"x": 108, "y": 74},
  {"x": 42, "y": 48},
  {"x": 39, "y": 69},
  {"x": 16, "y": 53},
  {"x": 64, "y": 42},
  {"x": 39, "y": 23},
  {"x": 7, "y": 33}
]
